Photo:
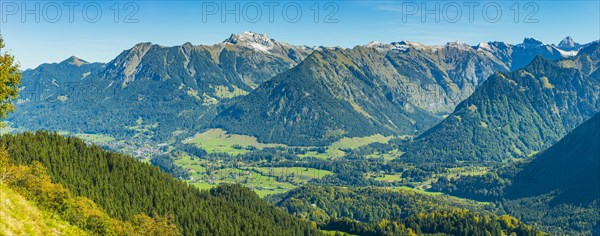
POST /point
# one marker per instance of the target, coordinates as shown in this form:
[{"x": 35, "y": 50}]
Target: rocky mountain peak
[
  {"x": 531, "y": 42},
  {"x": 459, "y": 45},
  {"x": 568, "y": 44},
  {"x": 374, "y": 44},
  {"x": 253, "y": 40},
  {"x": 379, "y": 46},
  {"x": 142, "y": 47}
]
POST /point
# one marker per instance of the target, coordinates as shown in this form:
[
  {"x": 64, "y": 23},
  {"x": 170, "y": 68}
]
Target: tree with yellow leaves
[{"x": 10, "y": 79}]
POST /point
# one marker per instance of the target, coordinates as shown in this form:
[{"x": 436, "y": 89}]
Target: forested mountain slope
[
  {"x": 33, "y": 205},
  {"x": 515, "y": 114},
  {"x": 323, "y": 99},
  {"x": 400, "y": 88},
  {"x": 571, "y": 167},
  {"x": 158, "y": 94},
  {"x": 169, "y": 88},
  {"x": 124, "y": 187},
  {"x": 375, "y": 211},
  {"x": 557, "y": 189},
  {"x": 357, "y": 92}
]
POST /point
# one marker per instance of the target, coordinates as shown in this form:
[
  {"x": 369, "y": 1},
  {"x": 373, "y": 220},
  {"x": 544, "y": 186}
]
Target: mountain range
[
  {"x": 516, "y": 114},
  {"x": 392, "y": 89},
  {"x": 169, "y": 88},
  {"x": 399, "y": 88}
]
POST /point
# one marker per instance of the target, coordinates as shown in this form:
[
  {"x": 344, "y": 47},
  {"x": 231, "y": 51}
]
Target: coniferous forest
[{"x": 125, "y": 187}]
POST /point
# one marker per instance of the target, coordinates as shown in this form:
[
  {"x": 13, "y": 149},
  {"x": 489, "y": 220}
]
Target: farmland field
[{"x": 217, "y": 140}]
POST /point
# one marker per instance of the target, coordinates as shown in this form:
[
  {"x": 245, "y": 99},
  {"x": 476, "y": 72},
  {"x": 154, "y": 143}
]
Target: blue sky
[{"x": 99, "y": 37}]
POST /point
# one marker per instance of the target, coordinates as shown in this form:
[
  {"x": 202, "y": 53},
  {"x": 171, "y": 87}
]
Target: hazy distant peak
[
  {"x": 73, "y": 60},
  {"x": 568, "y": 41},
  {"x": 458, "y": 44},
  {"x": 569, "y": 44},
  {"x": 379, "y": 46},
  {"x": 374, "y": 44},
  {"x": 406, "y": 43},
  {"x": 531, "y": 42}
]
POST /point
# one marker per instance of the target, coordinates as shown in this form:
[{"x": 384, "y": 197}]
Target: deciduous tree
[{"x": 10, "y": 78}]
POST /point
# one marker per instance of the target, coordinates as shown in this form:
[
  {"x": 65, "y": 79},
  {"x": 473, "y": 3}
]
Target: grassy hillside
[
  {"x": 18, "y": 216},
  {"x": 53, "y": 208}
]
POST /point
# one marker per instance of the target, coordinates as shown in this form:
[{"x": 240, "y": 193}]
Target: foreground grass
[{"x": 18, "y": 216}]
